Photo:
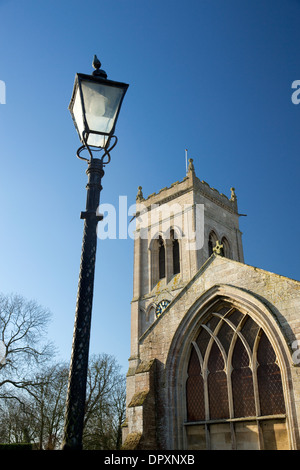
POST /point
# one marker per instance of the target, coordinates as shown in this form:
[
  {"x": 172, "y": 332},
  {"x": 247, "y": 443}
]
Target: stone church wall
[{"x": 280, "y": 300}]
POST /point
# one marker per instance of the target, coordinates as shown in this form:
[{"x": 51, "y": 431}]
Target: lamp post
[{"x": 94, "y": 106}]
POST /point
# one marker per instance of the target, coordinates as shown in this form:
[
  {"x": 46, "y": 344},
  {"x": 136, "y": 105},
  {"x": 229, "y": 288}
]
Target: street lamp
[{"x": 94, "y": 106}]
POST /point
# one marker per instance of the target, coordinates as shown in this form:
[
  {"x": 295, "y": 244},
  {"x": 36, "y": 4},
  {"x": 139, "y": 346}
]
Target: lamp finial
[{"x": 96, "y": 65}]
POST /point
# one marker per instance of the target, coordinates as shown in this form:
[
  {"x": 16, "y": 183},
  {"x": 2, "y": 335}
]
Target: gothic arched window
[
  {"x": 226, "y": 247},
  {"x": 234, "y": 386},
  {"x": 212, "y": 239},
  {"x": 161, "y": 258},
  {"x": 175, "y": 253}
]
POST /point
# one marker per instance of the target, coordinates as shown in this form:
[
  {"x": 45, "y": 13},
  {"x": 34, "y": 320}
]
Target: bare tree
[
  {"x": 36, "y": 414},
  {"x": 119, "y": 411},
  {"x": 16, "y": 424},
  {"x": 23, "y": 326},
  {"x": 47, "y": 405},
  {"x": 105, "y": 403},
  {"x": 33, "y": 410}
]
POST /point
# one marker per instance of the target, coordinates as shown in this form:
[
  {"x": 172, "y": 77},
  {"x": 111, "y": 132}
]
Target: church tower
[
  {"x": 177, "y": 230},
  {"x": 211, "y": 362}
]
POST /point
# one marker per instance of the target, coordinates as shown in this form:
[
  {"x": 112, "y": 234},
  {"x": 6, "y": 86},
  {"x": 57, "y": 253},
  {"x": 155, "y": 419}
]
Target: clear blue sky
[{"x": 213, "y": 76}]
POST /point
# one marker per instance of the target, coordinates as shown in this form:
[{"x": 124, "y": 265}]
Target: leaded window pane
[
  {"x": 269, "y": 380},
  {"x": 217, "y": 385},
  {"x": 242, "y": 382},
  {"x": 195, "y": 390}
]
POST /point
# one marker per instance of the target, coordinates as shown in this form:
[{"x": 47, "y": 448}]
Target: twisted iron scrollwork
[{"x": 106, "y": 150}]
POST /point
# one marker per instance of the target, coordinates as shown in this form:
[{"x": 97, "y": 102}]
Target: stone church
[{"x": 214, "y": 361}]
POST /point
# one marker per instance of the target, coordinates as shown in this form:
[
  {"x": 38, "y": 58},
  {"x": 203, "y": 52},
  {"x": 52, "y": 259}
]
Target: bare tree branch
[{"x": 23, "y": 326}]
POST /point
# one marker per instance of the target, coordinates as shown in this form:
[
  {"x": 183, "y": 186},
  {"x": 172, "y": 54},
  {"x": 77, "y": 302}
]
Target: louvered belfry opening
[
  {"x": 233, "y": 380},
  {"x": 175, "y": 253},
  {"x": 161, "y": 258}
]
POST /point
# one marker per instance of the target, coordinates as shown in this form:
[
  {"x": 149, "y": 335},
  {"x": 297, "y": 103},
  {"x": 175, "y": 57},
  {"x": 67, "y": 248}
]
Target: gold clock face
[{"x": 161, "y": 307}]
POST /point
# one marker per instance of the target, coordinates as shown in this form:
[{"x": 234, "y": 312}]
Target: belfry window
[
  {"x": 165, "y": 257},
  {"x": 226, "y": 248},
  {"x": 234, "y": 386},
  {"x": 212, "y": 240},
  {"x": 161, "y": 258},
  {"x": 175, "y": 253}
]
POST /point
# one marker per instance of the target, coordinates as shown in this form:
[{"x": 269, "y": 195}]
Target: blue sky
[{"x": 212, "y": 76}]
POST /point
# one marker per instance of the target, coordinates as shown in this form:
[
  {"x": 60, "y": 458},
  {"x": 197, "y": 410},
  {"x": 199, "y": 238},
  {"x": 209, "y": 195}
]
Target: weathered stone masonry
[{"x": 157, "y": 393}]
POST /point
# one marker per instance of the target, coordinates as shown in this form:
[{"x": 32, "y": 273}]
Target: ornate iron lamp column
[
  {"x": 94, "y": 106},
  {"x": 81, "y": 339}
]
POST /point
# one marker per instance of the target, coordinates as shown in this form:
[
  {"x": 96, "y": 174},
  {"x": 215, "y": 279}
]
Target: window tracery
[{"x": 232, "y": 374}]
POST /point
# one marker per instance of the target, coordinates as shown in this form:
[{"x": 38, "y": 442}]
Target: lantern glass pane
[
  {"x": 97, "y": 140},
  {"x": 77, "y": 113},
  {"x": 101, "y": 103}
]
